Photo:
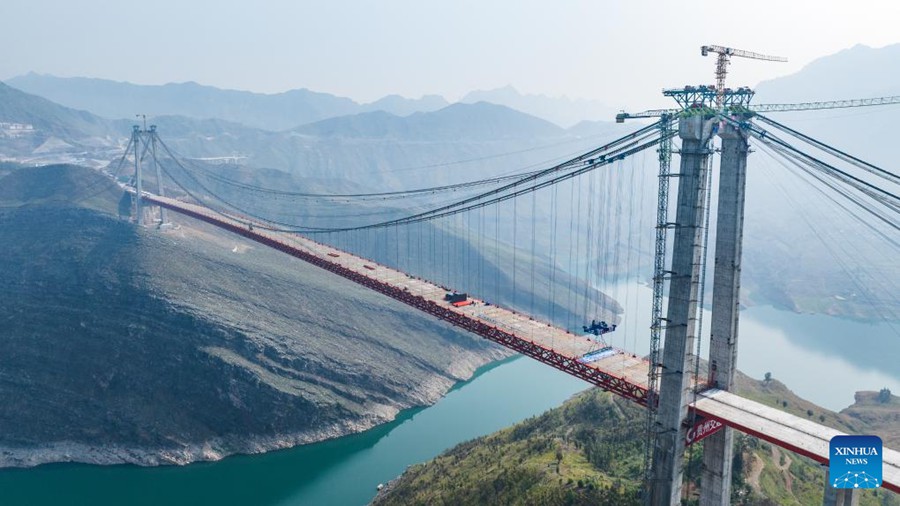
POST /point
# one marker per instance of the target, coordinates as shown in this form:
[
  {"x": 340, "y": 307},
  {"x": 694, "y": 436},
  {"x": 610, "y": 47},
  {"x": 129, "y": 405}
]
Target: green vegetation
[
  {"x": 562, "y": 457},
  {"x": 590, "y": 451}
]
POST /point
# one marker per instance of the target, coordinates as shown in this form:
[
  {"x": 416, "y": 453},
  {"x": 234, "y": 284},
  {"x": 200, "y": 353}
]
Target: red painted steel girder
[
  {"x": 618, "y": 385},
  {"x": 894, "y": 487}
]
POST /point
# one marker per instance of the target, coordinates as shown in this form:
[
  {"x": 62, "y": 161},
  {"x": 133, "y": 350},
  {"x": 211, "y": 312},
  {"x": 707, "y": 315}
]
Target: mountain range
[
  {"x": 387, "y": 151},
  {"x": 563, "y": 111},
  {"x": 856, "y": 72},
  {"x": 278, "y": 111}
]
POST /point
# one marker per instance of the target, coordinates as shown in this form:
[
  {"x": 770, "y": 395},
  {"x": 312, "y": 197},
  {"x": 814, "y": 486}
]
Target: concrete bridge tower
[{"x": 675, "y": 389}]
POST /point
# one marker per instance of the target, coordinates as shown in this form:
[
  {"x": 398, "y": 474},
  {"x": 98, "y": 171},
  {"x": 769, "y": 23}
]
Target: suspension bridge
[{"x": 466, "y": 261}]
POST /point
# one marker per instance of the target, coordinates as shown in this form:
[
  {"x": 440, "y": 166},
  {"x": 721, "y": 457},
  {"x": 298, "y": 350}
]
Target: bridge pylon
[
  {"x": 675, "y": 389},
  {"x": 136, "y": 135},
  {"x": 839, "y": 496},
  {"x": 718, "y": 449},
  {"x": 145, "y": 141}
]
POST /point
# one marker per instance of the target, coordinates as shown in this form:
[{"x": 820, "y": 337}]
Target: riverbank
[
  {"x": 590, "y": 451},
  {"x": 341, "y": 471},
  {"x": 209, "y": 451},
  {"x": 430, "y": 391}
]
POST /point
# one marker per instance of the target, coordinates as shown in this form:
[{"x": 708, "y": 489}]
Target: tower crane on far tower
[{"x": 725, "y": 54}]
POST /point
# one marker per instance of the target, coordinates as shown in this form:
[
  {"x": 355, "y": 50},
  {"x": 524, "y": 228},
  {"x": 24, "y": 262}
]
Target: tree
[
  {"x": 884, "y": 396},
  {"x": 768, "y": 377}
]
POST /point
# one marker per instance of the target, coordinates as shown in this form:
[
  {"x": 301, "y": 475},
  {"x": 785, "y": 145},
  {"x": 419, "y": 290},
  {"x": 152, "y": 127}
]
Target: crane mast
[
  {"x": 697, "y": 102},
  {"x": 700, "y": 109},
  {"x": 724, "y": 59}
]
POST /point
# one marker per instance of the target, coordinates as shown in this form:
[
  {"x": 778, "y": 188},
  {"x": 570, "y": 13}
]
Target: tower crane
[
  {"x": 724, "y": 58},
  {"x": 803, "y": 106},
  {"x": 698, "y": 100}
]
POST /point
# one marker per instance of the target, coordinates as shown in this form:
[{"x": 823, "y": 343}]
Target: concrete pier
[
  {"x": 839, "y": 496},
  {"x": 681, "y": 315},
  {"x": 715, "y": 480}
]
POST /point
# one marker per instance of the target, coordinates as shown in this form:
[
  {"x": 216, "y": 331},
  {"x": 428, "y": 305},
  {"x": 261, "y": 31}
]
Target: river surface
[
  {"x": 343, "y": 471},
  {"x": 824, "y": 359}
]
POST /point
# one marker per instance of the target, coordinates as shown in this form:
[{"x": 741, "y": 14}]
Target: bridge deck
[
  {"x": 621, "y": 373},
  {"x": 783, "y": 429}
]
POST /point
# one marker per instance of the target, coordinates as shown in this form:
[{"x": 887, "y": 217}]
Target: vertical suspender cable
[
  {"x": 533, "y": 255},
  {"x": 515, "y": 252},
  {"x": 570, "y": 307}
]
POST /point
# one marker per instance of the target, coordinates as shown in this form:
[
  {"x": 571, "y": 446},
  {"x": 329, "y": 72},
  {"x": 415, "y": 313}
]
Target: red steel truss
[{"x": 570, "y": 365}]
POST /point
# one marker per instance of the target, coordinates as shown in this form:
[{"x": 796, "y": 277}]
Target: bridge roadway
[
  {"x": 788, "y": 431},
  {"x": 620, "y": 372}
]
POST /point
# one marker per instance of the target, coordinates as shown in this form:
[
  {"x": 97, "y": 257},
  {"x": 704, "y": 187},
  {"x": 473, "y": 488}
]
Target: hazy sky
[{"x": 620, "y": 52}]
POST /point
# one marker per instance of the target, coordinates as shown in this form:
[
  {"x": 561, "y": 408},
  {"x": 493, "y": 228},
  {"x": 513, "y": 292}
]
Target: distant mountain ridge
[
  {"x": 854, "y": 73},
  {"x": 481, "y": 120},
  {"x": 34, "y": 129},
  {"x": 402, "y": 106},
  {"x": 563, "y": 111},
  {"x": 454, "y": 132},
  {"x": 279, "y": 111},
  {"x": 858, "y": 72},
  {"x": 274, "y": 112},
  {"x": 21, "y": 107}
]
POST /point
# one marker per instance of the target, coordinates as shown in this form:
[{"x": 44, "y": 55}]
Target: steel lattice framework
[{"x": 659, "y": 282}]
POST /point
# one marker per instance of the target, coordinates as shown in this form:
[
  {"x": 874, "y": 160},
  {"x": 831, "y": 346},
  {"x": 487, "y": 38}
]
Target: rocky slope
[{"x": 127, "y": 344}]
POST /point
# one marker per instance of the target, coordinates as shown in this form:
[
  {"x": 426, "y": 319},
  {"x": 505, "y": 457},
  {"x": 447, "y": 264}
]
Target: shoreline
[{"x": 71, "y": 452}]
